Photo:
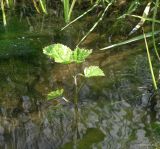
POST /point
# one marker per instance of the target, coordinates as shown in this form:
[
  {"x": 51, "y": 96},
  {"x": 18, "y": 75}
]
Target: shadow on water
[{"x": 110, "y": 112}]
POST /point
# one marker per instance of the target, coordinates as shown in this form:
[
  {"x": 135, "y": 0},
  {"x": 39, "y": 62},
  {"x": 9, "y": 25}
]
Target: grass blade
[
  {"x": 150, "y": 63},
  {"x": 130, "y": 40},
  {"x": 3, "y": 13},
  {"x": 70, "y": 10},
  {"x": 43, "y": 6},
  {"x": 153, "y": 29},
  {"x": 35, "y": 5},
  {"x": 80, "y": 16},
  {"x": 94, "y": 26},
  {"x": 66, "y": 9},
  {"x": 145, "y": 18}
]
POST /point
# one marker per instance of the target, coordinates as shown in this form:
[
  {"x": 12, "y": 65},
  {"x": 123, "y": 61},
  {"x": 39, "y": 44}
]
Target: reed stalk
[
  {"x": 3, "y": 13},
  {"x": 43, "y": 5},
  {"x": 7, "y": 3},
  {"x": 95, "y": 25},
  {"x": 71, "y": 9},
  {"x": 80, "y": 16},
  {"x": 153, "y": 29},
  {"x": 35, "y": 5},
  {"x": 150, "y": 63},
  {"x": 149, "y": 34},
  {"x": 66, "y": 10}
]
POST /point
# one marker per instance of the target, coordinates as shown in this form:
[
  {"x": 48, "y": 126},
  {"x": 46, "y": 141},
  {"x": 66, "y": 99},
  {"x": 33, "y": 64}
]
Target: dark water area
[{"x": 112, "y": 110}]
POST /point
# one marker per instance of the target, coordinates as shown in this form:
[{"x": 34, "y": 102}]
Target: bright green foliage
[
  {"x": 55, "y": 94},
  {"x": 62, "y": 54},
  {"x": 59, "y": 52},
  {"x": 79, "y": 55},
  {"x": 93, "y": 71}
]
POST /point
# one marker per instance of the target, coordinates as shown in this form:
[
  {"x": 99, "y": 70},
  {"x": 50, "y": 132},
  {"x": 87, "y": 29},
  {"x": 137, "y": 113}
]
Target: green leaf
[
  {"x": 93, "y": 71},
  {"x": 60, "y": 53},
  {"x": 79, "y": 55},
  {"x": 55, "y": 94}
]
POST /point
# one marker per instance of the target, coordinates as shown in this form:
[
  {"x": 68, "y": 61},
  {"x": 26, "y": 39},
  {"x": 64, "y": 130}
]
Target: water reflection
[
  {"x": 112, "y": 112},
  {"x": 109, "y": 114}
]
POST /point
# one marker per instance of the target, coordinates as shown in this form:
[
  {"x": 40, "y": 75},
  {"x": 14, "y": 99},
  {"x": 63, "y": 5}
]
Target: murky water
[{"x": 111, "y": 113}]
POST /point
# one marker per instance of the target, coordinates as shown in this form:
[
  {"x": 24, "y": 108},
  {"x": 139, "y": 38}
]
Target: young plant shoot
[{"x": 64, "y": 55}]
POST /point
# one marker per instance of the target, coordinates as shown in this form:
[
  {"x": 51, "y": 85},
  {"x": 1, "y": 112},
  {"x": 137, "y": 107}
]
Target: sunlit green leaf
[
  {"x": 55, "y": 94},
  {"x": 79, "y": 55},
  {"x": 60, "y": 53},
  {"x": 93, "y": 71}
]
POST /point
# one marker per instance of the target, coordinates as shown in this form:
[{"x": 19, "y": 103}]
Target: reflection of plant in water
[{"x": 64, "y": 55}]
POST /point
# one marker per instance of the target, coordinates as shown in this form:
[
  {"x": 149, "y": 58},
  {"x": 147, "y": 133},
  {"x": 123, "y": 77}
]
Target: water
[{"x": 111, "y": 113}]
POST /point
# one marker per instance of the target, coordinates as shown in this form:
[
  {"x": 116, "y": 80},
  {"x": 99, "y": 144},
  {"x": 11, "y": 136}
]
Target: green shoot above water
[
  {"x": 93, "y": 71},
  {"x": 64, "y": 55},
  {"x": 55, "y": 94}
]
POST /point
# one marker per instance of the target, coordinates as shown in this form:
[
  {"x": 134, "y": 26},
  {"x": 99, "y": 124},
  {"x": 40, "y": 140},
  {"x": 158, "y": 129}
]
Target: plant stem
[
  {"x": 79, "y": 17},
  {"x": 149, "y": 34},
  {"x": 150, "y": 63},
  {"x": 43, "y": 6},
  {"x": 95, "y": 25},
  {"x": 70, "y": 10},
  {"x": 76, "y": 119},
  {"x": 66, "y": 9},
  {"x": 76, "y": 91},
  {"x": 153, "y": 30},
  {"x": 3, "y": 13},
  {"x": 35, "y": 5}
]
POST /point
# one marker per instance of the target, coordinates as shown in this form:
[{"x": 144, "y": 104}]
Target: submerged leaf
[
  {"x": 93, "y": 71},
  {"x": 55, "y": 94},
  {"x": 60, "y": 53},
  {"x": 79, "y": 55}
]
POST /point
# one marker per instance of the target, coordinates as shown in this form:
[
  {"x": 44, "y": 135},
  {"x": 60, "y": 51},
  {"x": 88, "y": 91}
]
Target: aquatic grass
[
  {"x": 10, "y": 3},
  {"x": 145, "y": 18},
  {"x": 153, "y": 28},
  {"x": 82, "y": 15},
  {"x": 3, "y": 13},
  {"x": 71, "y": 9},
  {"x": 43, "y": 5},
  {"x": 7, "y": 2},
  {"x": 150, "y": 62},
  {"x": 95, "y": 25},
  {"x": 66, "y": 9},
  {"x": 142, "y": 21},
  {"x": 35, "y": 5},
  {"x": 133, "y": 7},
  {"x": 134, "y": 39}
]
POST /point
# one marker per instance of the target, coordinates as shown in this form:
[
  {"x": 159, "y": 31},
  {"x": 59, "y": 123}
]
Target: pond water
[{"x": 111, "y": 112}]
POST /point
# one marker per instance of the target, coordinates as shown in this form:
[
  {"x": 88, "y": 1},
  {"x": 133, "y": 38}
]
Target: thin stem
[
  {"x": 79, "y": 17},
  {"x": 35, "y": 5},
  {"x": 153, "y": 29},
  {"x": 94, "y": 26},
  {"x": 149, "y": 34},
  {"x": 76, "y": 91},
  {"x": 66, "y": 9},
  {"x": 70, "y": 10},
  {"x": 3, "y": 13},
  {"x": 150, "y": 63},
  {"x": 43, "y": 6}
]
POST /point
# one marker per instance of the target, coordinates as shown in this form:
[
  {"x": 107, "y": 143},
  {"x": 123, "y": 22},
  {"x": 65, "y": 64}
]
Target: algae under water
[{"x": 110, "y": 115}]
